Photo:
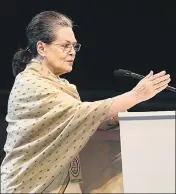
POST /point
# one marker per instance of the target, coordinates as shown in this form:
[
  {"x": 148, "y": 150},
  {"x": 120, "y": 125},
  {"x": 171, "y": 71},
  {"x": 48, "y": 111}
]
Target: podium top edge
[{"x": 162, "y": 114}]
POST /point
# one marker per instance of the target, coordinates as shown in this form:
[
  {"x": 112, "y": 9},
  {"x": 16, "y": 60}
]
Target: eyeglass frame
[{"x": 68, "y": 46}]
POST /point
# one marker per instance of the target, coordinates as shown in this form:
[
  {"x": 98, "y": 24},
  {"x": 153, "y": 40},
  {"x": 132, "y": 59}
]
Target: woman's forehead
[{"x": 65, "y": 34}]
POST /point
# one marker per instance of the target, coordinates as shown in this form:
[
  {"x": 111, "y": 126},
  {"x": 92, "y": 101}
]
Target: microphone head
[{"x": 121, "y": 72}]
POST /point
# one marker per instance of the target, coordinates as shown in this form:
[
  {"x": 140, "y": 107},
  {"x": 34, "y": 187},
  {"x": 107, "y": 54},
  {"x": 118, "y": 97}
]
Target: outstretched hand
[{"x": 151, "y": 85}]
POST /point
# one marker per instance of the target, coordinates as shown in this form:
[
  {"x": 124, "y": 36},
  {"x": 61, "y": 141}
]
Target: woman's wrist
[{"x": 135, "y": 97}]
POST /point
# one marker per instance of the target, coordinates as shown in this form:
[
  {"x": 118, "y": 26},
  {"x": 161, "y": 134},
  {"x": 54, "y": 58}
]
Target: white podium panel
[{"x": 148, "y": 151}]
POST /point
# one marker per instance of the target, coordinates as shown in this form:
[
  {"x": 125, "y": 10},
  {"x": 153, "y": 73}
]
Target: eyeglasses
[{"x": 67, "y": 47}]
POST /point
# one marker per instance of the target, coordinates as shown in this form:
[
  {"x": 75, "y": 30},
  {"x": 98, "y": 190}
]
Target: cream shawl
[{"x": 47, "y": 126}]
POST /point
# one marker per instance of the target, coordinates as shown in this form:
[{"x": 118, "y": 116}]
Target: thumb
[{"x": 150, "y": 74}]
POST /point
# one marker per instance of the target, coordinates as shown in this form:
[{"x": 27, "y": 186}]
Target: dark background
[{"x": 138, "y": 35}]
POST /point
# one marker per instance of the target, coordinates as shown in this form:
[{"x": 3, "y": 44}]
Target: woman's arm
[{"x": 147, "y": 88}]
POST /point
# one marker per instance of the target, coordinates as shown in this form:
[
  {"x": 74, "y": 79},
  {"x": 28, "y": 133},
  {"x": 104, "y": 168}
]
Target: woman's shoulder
[{"x": 32, "y": 83}]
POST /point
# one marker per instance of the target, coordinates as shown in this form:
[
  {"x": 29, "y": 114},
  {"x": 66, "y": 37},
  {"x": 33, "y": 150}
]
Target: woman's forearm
[{"x": 122, "y": 103}]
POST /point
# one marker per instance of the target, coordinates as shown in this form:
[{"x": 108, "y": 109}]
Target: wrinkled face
[{"x": 60, "y": 54}]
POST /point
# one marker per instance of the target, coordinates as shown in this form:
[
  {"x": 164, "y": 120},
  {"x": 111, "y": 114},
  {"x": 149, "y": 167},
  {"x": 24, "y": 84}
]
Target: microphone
[{"x": 122, "y": 72}]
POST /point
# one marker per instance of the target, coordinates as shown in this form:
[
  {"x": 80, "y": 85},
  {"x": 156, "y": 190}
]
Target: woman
[{"x": 48, "y": 124}]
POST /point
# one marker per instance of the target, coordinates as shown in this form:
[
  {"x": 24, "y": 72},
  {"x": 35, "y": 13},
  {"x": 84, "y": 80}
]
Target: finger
[
  {"x": 161, "y": 88},
  {"x": 161, "y": 79},
  {"x": 157, "y": 75},
  {"x": 161, "y": 84}
]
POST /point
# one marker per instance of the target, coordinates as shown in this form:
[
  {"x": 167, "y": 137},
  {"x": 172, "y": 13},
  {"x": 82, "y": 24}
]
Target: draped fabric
[{"x": 48, "y": 125}]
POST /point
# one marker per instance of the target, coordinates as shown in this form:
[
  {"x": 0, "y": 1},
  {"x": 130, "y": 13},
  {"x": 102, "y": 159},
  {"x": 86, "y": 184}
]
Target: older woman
[{"x": 48, "y": 125}]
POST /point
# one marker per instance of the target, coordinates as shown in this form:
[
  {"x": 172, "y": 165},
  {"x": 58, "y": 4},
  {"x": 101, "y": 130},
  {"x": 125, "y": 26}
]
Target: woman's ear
[{"x": 41, "y": 48}]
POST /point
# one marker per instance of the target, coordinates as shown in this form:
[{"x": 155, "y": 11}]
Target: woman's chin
[
  {"x": 66, "y": 70},
  {"x": 69, "y": 69}
]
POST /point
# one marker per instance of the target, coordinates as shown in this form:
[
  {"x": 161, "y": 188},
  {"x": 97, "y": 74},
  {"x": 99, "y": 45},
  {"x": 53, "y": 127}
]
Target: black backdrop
[{"x": 138, "y": 35}]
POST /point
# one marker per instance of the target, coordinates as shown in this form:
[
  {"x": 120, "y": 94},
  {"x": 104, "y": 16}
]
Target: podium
[
  {"x": 138, "y": 158},
  {"x": 148, "y": 151}
]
